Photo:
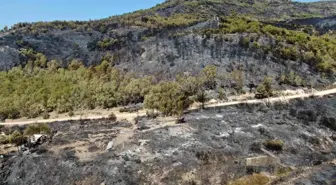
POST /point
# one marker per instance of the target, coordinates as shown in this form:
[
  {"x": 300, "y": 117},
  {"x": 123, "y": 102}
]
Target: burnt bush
[
  {"x": 329, "y": 122},
  {"x": 256, "y": 147},
  {"x": 203, "y": 156},
  {"x": 112, "y": 117},
  {"x": 307, "y": 115}
]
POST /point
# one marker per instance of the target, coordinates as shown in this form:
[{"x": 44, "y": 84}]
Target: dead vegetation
[{"x": 212, "y": 146}]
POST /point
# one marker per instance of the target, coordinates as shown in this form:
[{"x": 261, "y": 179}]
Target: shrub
[
  {"x": 237, "y": 76},
  {"x": 17, "y": 138},
  {"x": 329, "y": 122},
  {"x": 221, "y": 94},
  {"x": 276, "y": 145},
  {"x": 75, "y": 65},
  {"x": 112, "y": 117},
  {"x": 46, "y": 115},
  {"x": 255, "y": 179},
  {"x": 129, "y": 109},
  {"x": 4, "y": 139},
  {"x": 291, "y": 79},
  {"x": 244, "y": 42},
  {"x": 202, "y": 98},
  {"x": 209, "y": 74},
  {"x": 283, "y": 171},
  {"x": 265, "y": 90},
  {"x": 168, "y": 98},
  {"x": 14, "y": 138},
  {"x": 152, "y": 114},
  {"x": 71, "y": 114},
  {"x": 2, "y": 117},
  {"x": 40, "y": 128}
]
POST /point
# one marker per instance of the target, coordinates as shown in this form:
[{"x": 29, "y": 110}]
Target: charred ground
[{"x": 213, "y": 147}]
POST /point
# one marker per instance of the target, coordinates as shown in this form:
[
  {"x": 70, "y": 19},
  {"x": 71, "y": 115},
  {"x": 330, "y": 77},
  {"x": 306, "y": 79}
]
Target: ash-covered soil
[{"x": 214, "y": 146}]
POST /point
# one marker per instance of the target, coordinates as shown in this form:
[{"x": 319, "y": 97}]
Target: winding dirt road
[{"x": 131, "y": 116}]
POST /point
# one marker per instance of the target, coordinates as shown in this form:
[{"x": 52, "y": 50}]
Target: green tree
[
  {"x": 40, "y": 61},
  {"x": 136, "y": 89},
  {"x": 209, "y": 74},
  {"x": 237, "y": 77},
  {"x": 168, "y": 98},
  {"x": 202, "y": 97},
  {"x": 189, "y": 84},
  {"x": 264, "y": 90},
  {"x": 53, "y": 65},
  {"x": 221, "y": 94},
  {"x": 75, "y": 65},
  {"x": 103, "y": 67},
  {"x": 105, "y": 97}
]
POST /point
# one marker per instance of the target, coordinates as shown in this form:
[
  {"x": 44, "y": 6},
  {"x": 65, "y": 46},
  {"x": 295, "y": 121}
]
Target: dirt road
[
  {"x": 276, "y": 99},
  {"x": 131, "y": 116}
]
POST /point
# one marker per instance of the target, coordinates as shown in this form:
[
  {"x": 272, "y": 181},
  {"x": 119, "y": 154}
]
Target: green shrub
[
  {"x": 283, "y": 171},
  {"x": 237, "y": 76},
  {"x": 75, "y": 65},
  {"x": 221, "y": 94},
  {"x": 17, "y": 138},
  {"x": 208, "y": 76},
  {"x": 265, "y": 90},
  {"x": 276, "y": 145},
  {"x": 14, "y": 138},
  {"x": 45, "y": 115},
  {"x": 152, "y": 114},
  {"x": 292, "y": 79},
  {"x": 255, "y": 179},
  {"x": 4, "y": 139},
  {"x": 40, "y": 128},
  {"x": 202, "y": 98},
  {"x": 71, "y": 114},
  {"x": 168, "y": 98}
]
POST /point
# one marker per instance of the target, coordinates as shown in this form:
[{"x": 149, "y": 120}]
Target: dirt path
[
  {"x": 275, "y": 99},
  {"x": 131, "y": 116},
  {"x": 120, "y": 116}
]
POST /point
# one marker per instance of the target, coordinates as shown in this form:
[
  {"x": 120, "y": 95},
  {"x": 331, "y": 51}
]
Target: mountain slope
[{"x": 184, "y": 36}]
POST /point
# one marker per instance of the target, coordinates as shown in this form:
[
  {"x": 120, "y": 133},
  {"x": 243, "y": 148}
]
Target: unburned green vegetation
[
  {"x": 318, "y": 51},
  {"x": 18, "y": 137},
  {"x": 39, "y": 128},
  {"x": 255, "y": 179},
  {"x": 35, "y": 90},
  {"x": 276, "y": 145}
]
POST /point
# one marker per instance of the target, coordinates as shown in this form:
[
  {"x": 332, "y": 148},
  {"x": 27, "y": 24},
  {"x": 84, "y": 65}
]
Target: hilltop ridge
[{"x": 136, "y": 40}]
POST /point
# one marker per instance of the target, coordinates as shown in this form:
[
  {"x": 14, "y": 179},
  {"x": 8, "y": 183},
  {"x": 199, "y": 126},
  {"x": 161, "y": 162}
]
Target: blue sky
[{"x": 14, "y": 11}]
